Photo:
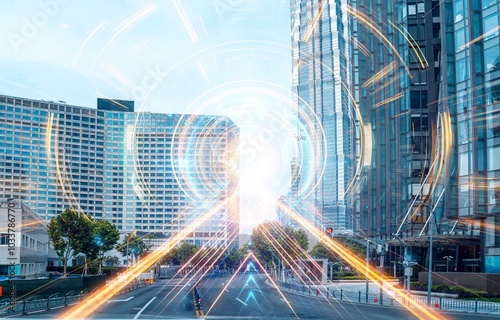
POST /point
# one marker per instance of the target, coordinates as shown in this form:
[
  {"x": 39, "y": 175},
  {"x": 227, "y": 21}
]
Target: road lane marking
[
  {"x": 242, "y": 302},
  {"x": 258, "y": 290},
  {"x": 121, "y": 300},
  {"x": 144, "y": 308}
]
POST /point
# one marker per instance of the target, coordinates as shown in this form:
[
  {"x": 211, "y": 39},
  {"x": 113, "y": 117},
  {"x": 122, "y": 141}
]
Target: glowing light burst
[
  {"x": 275, "y": 130},
  {"x": 198, "y": 145}
]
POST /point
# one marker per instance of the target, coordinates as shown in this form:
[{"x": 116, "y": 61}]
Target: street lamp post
[
  {"x": 331, "y": 264},
  {"x": 429, "y": 278},
  {"x": 431, "y": 227},
  {"x": 367, "y": 267}
]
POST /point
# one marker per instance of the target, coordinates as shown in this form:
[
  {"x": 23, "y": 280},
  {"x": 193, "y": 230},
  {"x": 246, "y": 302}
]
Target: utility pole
[
  {"x": 430, "y": 221},
  {"x": 429, "y": 278},
  {"x": 367, "y": 267}
]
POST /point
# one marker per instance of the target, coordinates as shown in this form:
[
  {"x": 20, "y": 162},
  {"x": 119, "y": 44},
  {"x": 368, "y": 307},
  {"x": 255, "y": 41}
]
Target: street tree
[
  {"x": 233, "y": 258},
  {"x": 111, "y": 261},
  {"x": 184, "y": 252},
  {"x": 87, "y": 245},
  {"x": 105, "y": 237},
  {"x": 274, "y": 244},
  {"x": 134, "y": 245},
  {"x": 320, "y": 251},
  {"x": 206, "y": 256},
  {"x": 69, "y": 233}
]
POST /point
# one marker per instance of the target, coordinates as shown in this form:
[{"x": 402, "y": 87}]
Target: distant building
[
  {"x": 24, "y": 241},
  {"x": 115, "y": 105},
  {"x": 146, "y": 172},
  {"x": 244, "y": 239}
]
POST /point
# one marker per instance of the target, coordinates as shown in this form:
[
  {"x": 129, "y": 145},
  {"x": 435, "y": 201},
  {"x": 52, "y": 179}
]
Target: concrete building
[
  {"x": 141, "y": 171},
  {"x": 24, "y": 242}
]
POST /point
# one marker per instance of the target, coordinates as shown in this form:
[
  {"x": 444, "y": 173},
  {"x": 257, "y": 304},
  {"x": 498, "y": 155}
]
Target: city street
[
  {"x": 249, "y": 296},
  {"x": 165, "y": 299}
]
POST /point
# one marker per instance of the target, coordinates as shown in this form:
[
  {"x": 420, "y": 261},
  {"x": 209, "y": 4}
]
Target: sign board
[{"x": 408, "y": 271}]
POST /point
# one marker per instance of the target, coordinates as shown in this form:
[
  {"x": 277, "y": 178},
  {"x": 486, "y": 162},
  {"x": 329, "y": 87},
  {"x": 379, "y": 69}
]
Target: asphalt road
[
  {"x": 241, "y": 297},
  {"x": 164, "y": 299},
  {"x": 249, "y": 297}
]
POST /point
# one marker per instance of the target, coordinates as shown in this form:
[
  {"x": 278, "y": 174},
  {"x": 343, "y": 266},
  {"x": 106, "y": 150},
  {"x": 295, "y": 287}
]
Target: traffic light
[{"x": 329, "y": 230}]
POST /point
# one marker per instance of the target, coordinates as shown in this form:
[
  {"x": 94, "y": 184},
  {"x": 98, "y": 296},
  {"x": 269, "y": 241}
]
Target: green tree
[
  {"x": 273, "y": 243},
  {"x": 179, "y": 255},
  {"x": 319, "y": 251},
  {"x": 233, "y": 258},
  {"x": 111, "y": 261},
  {"x": 105, "y": 236},
  {"x": 205, "y": 256},
  {"x": 70, "y": 234},
  {"x": 87, "y": 245},
  {"x": 184, "y": 252},
  {"x": 356, "y": 247},
  {"x": 170, "y": 257},
  {"x": 134, "y": 245}
]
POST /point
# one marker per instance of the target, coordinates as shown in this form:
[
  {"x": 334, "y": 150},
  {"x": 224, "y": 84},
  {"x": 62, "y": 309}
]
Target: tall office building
[
  {"x": 320, "y": 70},
  {"x": 426, "y": 81},
  {"x": 470, "y": 82},
  {"x": 141, "y": 171}
]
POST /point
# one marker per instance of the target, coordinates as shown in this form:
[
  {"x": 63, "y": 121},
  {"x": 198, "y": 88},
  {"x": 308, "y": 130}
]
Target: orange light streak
[
  {"x": 487, "y": 33},
  {"x": 379, "y": 75},
  {"x": 95, "y": 300},
  {"x": 393, "y": 98},
  {"x": 360, "y": 265},
  {"x": 420, "y": 55},
  {"x": 312, "y": 26}
]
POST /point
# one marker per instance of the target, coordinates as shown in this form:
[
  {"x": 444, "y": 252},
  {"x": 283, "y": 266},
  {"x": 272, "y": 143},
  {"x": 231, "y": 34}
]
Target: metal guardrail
[
  {"x": 386, "y": 299},
  {"x": 32, "y": 304},
  {"x": 37, "y": 304}
]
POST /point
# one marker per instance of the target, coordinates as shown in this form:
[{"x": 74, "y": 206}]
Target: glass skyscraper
[
  {"x": 141, "y": 171},
  {"x": 471, "y": 82},
  {"x": 319, "y": 84},
  {"x": 426, "y": 82}
]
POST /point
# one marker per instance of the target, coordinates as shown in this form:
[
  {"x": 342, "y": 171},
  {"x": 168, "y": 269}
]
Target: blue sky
[{"x": 187, "y": 56}]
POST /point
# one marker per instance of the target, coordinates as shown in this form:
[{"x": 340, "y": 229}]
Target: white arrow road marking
[
  {"x": 242, "y": 302},
  {"x": 143, "y": 308},
  {"x": 121, "y": 300}
]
